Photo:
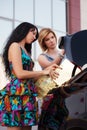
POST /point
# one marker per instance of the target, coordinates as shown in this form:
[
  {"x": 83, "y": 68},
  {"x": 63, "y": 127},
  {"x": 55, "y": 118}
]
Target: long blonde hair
[{"x": 42, "y": 35}]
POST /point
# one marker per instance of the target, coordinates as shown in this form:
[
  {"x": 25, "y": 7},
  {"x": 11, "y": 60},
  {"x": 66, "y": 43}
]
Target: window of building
[
  {"x": 6, "y": 8},
  {"x": 5, "y": 30},
  {"x": 42, "y": 13},
  {"x": 24, "y": 10}
]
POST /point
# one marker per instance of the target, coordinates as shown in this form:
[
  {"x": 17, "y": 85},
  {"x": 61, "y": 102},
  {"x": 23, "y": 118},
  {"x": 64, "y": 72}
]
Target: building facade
[{"x": 63, "y": 16}]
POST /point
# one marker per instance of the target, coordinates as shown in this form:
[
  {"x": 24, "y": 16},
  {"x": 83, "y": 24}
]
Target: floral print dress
[{"x": 18, "y": 105}]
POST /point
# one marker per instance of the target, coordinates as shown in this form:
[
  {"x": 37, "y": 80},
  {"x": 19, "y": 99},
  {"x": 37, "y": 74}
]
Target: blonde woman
[
  {"x": 51, "y": 54},
  {"x": 48, "y": 43}
]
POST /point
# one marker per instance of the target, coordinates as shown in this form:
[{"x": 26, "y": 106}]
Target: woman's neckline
[{"x": 25, "y": 51}]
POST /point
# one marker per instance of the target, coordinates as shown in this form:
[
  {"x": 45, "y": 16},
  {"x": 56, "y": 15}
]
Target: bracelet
[{"x": 60, "y": 55}]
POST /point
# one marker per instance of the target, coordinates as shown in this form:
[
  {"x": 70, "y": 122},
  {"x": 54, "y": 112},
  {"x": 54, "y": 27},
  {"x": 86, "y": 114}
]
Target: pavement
[{"x": 4, "y": 128}]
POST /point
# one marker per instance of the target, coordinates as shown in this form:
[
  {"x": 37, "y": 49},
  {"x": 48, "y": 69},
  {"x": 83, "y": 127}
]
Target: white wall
[{"x": 83, "y": 7}]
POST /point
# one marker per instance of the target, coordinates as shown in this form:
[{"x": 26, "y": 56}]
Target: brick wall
[{"x": 73, "y": 16}]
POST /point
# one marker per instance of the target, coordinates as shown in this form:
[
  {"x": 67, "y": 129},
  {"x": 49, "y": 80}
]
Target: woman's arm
[
  {"x": 44, "y": 62},
  {"x": 15, "y": 58}
]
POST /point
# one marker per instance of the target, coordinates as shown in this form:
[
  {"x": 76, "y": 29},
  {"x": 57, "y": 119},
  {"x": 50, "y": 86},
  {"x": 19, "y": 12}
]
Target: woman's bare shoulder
[
  {"x": 41, "y": 56},
  {"x": 14, "y": 50},
  {"x": 14, "y": 45}
]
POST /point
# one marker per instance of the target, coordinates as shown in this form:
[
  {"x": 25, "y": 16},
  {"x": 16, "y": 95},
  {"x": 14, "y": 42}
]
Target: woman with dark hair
[{"x": 18, "y": 109}]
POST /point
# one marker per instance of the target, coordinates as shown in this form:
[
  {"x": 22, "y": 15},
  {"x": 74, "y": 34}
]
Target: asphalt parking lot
[{"x": 4, "y": 128}]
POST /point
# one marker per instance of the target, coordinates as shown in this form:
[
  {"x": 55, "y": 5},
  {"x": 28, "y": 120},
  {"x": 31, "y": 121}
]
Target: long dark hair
[{"x": 17, "y": 35}]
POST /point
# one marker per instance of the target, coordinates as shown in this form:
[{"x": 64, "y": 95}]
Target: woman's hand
[
  {"x": 54, "y": 74},
  {"x": 53, "y": 66},
  {"x": 51, "y": 71}
]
